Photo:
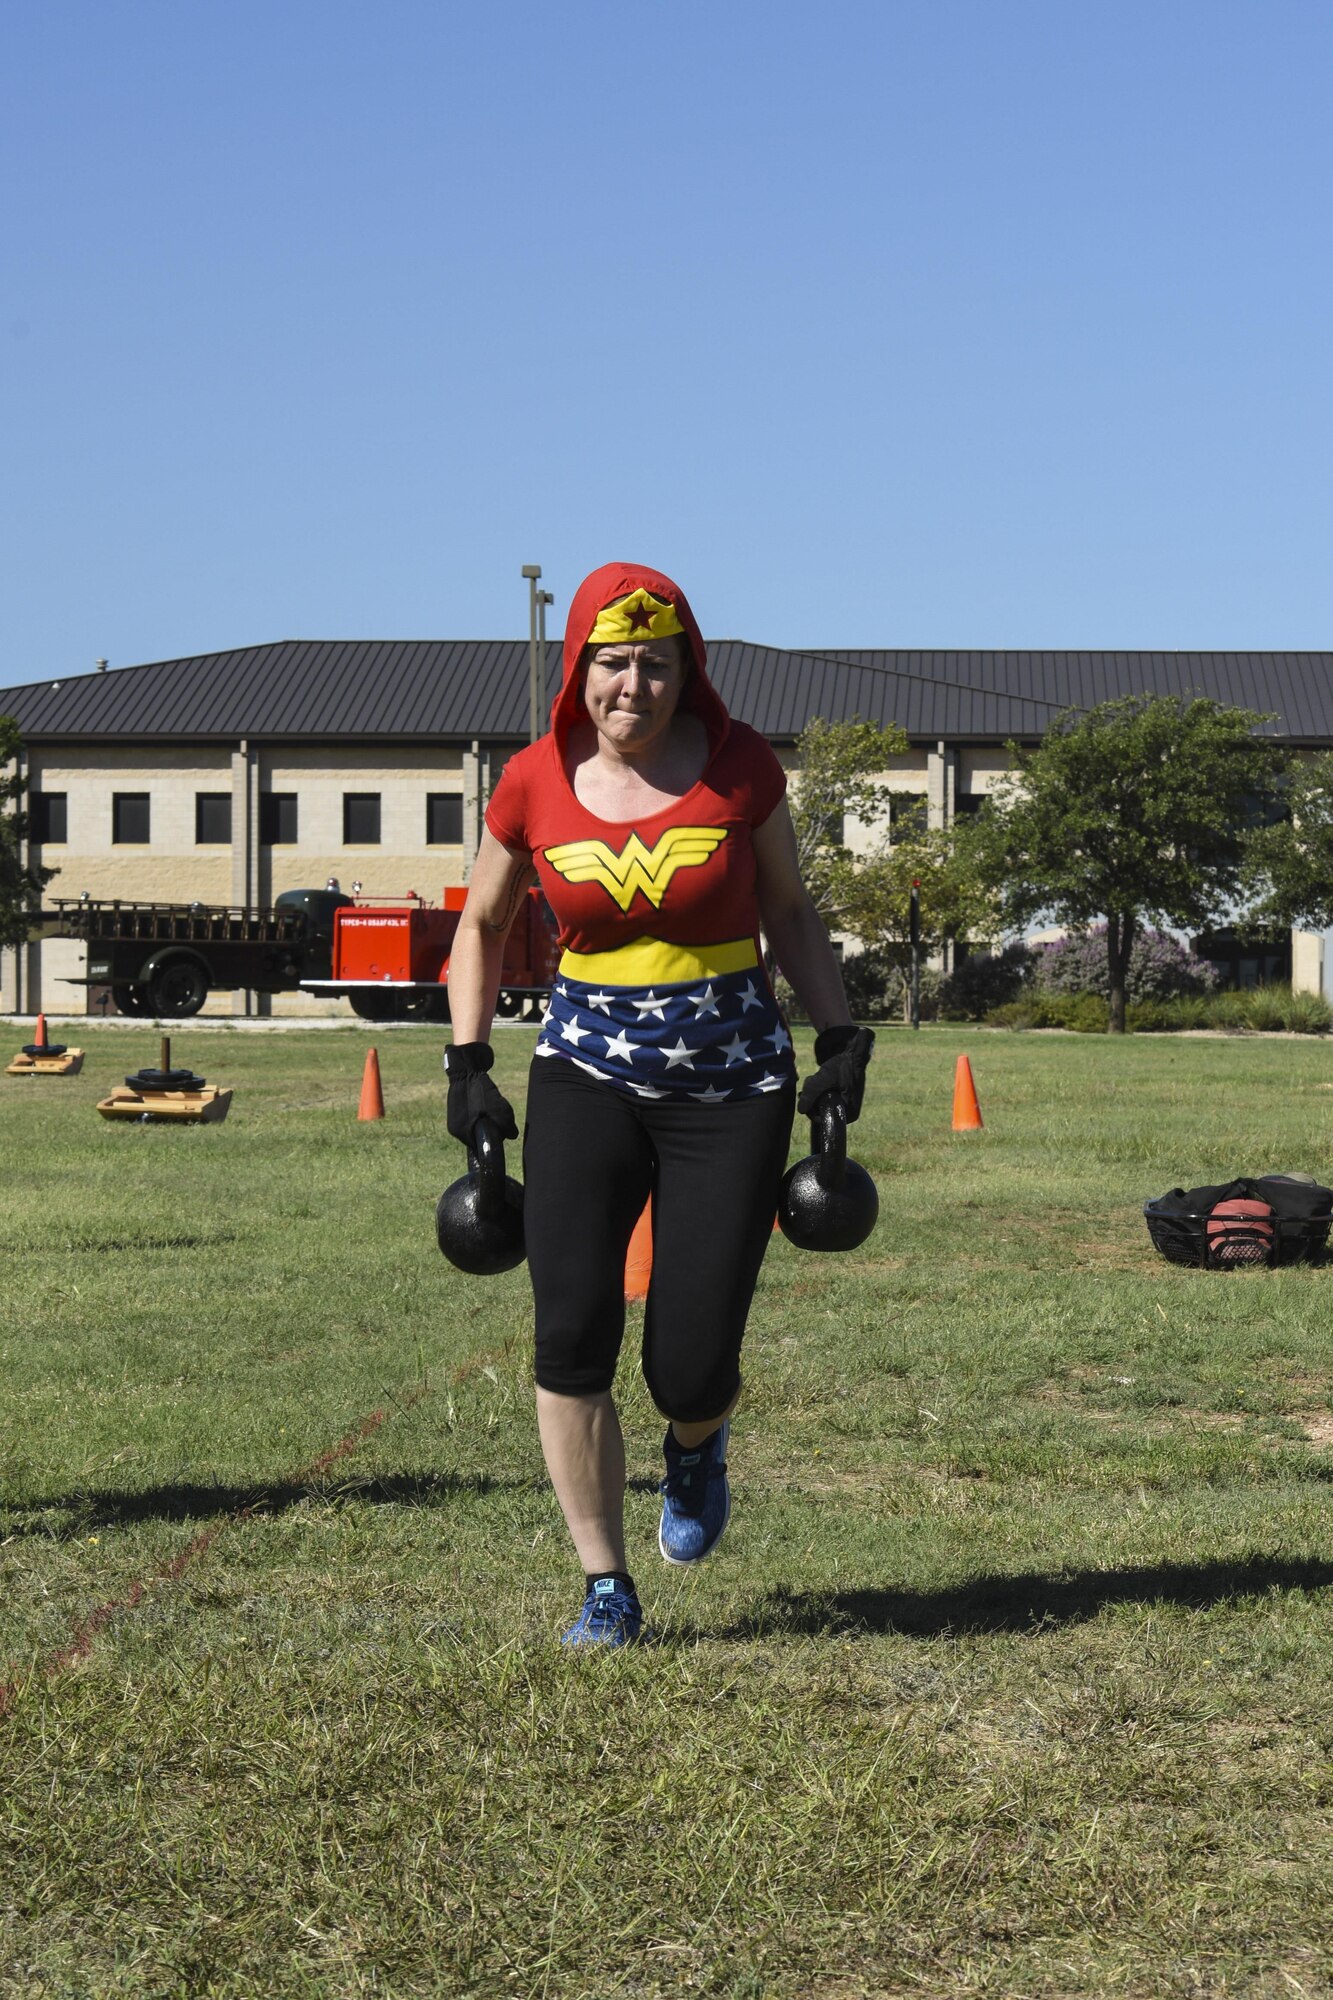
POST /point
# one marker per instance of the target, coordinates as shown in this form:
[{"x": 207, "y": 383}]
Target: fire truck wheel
[
  {"x": 429, "y": 1006},
  {"x": 177, "y": 988},
  {"x": 509, "y": 1005},
  {"x": 374, "y": 1006},
  {"x": 130, "y": 999}
]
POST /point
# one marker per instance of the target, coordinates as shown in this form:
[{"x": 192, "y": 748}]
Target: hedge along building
[{"x": 229, "y": 777}]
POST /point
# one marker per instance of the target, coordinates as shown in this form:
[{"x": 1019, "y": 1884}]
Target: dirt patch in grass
[
  {"x": 1165, "y": 1418},
  {"x": 1318, "y": 1428},
  {"x": 1302, "y": 1381},
  {"x": 1124, "y": 1242}
]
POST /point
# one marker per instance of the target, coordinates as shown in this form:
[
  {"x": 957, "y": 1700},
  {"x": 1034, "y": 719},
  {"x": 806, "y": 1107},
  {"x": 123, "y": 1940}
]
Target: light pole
[
  {"x": 915, "y": 989},
  {"x": 537, "y": 603},
  {"x": 544, "y": 597}
]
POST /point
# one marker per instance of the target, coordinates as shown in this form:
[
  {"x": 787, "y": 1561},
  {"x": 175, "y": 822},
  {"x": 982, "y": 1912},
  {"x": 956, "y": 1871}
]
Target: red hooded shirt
[{"x": 684, "y": 874}]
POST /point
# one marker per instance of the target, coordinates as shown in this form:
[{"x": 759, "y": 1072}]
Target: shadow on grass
[
  {"x": 72, "y": 1244},
  {"x": 1026, "y": 1602},
  {"x": 183, "y": 1501},
  {"x": 62, "y": 1517}
]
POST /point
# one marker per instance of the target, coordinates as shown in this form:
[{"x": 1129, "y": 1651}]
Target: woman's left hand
[{"x": 842, "y": 1055}]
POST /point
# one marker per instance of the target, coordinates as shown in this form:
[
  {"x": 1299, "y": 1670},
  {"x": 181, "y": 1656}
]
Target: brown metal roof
[{"x": 450, "y": 690}]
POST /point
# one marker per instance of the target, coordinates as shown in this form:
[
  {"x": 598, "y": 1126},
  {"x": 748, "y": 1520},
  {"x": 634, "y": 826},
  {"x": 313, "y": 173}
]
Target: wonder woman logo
[{"x": 636, "y": 867}]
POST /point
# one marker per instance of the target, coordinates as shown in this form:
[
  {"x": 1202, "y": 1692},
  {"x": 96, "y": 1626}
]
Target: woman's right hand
[{"x": 472, "y": 1095}]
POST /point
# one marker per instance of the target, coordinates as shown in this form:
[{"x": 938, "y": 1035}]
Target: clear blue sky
[{"x": 877, "y": 322}]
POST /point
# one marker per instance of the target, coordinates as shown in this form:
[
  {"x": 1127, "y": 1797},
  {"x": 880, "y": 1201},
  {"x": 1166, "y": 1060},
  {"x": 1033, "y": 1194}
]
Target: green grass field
[{"x": 1012, "y": 1675}]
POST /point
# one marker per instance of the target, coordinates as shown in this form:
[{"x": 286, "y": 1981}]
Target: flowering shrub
[
  {"x": 1084, "y": 1013},
  {"x": 1271, "y": 1008},
  {"x": 1160, "y": 966}
]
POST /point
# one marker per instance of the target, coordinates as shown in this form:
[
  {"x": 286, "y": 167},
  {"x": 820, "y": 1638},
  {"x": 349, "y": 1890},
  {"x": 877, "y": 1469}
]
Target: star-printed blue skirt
[{"x": 713, "y": 1038}]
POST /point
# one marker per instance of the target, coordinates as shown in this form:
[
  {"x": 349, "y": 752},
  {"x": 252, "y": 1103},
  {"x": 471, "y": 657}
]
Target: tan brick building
[{"x": 227, "y": 778}]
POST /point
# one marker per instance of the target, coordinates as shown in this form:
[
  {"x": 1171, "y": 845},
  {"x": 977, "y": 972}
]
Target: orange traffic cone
[
  {"x": 39, "y": 1039},
  {"x": 966, "y": 1110},
  {"x": 639, "y": 1256},
  {"x": 372, "y": 1096}
]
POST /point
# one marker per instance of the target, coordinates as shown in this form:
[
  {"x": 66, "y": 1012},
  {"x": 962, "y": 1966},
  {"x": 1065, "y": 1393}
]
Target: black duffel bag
[{"x": 1268, "y": 1219}]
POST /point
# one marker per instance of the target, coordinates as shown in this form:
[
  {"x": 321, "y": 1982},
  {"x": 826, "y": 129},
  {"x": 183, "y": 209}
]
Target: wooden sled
[
  {"x": 68, "y": 1063},
  {"x": 208, "y": 1106}
]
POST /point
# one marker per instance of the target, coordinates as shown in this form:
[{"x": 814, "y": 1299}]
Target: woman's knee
[
  {"x": 690, "y": 1389},
  {"x": 570, "y": 1370}
]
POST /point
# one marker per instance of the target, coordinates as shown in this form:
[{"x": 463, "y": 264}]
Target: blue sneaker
[
  {"x": 696, "y": 1499},
  {"x": 610, "y": 1617}
]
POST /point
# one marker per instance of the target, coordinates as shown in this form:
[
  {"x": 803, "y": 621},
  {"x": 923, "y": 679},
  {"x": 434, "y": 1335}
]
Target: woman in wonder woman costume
[{"x": 661, "y": 838}]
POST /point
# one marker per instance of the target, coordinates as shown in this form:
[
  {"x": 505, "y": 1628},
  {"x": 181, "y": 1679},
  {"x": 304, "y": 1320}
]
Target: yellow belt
[{"x": 649, "y": 962}]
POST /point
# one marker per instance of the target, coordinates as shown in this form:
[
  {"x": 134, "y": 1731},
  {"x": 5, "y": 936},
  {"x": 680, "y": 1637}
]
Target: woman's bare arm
[
  {"x": 495, "y": 894},
  {"x": 793, "y": 926}
]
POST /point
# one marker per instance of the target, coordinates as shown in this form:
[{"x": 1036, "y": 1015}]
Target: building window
[
  {"x": 967, "y": 803},
  {"x": 444, "y": 819},
  {"x": 277, "y": 819},
  {"x": 907, "y": 814},
  {"x": 361, "y": 819},
  {"x": 48, "y": 817},
  {"x": 1258, "y": 810},
  {"x": 129, "y": 819},
  {"x": 212, "y": 819},
  {"x": 1242, "y": 960}
]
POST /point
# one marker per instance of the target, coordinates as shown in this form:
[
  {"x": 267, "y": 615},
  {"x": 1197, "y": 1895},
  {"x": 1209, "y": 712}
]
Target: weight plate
[{"x": 164, "y": 1079}]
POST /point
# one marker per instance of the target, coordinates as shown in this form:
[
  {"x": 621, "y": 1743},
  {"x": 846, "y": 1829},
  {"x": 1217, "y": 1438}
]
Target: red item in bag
[{"x": 1240, "y": 1232}]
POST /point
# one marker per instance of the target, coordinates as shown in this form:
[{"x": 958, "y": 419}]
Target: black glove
[
  {"x": 472, "y": 1095},
  {"x": 842, "y": 1055}
]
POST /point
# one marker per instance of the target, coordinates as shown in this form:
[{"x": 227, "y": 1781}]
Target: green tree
[
  {"x": 839, "y": 777},
  {"x": 1137, "y": 811},
  {"x": 1290, "y": 876},
  {"x": 20, "y": 884},
  {"x": 955, "y": 901}
]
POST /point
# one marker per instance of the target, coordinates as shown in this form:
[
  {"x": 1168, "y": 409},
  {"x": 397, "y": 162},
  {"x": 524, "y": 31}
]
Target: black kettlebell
[
  {"x": 479, "y": 1220},
  {"x": 827, "y": 1201}
]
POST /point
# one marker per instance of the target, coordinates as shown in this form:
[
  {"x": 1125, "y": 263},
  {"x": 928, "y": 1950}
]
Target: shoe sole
[
  {"x": 605, "y": 1644},
  {"x": 688, "y": 1562}
]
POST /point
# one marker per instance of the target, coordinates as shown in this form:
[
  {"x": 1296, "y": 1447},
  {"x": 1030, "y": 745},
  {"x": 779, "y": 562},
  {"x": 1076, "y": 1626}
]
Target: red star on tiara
[{"x": 641, "y": 614}]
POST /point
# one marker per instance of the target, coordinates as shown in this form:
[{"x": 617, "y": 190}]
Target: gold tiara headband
[{"x": 632, "y": 619}]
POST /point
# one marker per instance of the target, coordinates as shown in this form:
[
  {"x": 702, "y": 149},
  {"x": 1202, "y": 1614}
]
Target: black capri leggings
[{"x": 591, "y": 1157}]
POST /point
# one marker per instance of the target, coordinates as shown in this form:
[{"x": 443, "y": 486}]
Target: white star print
[
  {"x": 563, "y": 991},
  {"x": 591, "y": 1068},
  {"x": 781, "y": 1039},
  {"x": 546, "y": 1049},
  {"x": 572, "y": 1032},
  {"x": 735, "y": 1050},
  {"x": 601, "y": 1001},
  {"x": 769, "y": 1083},
  {"x": 703, "y": 1003},
  {"x": 749, "y": 998},
  {"x": 619, "y": 1045},
  {"x": 651, "y": 1005},
  {"x": 710, "y": 1096},
  {"x": 680, "y": 1054},
  {"x": 646, "y": 1090}
]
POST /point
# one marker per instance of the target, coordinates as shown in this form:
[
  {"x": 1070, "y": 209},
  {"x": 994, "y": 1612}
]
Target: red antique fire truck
[{"x": 391, "y": 959}]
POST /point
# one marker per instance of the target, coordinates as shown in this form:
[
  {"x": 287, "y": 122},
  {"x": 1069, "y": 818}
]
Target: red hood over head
[{"x": 605, "y": 586}]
